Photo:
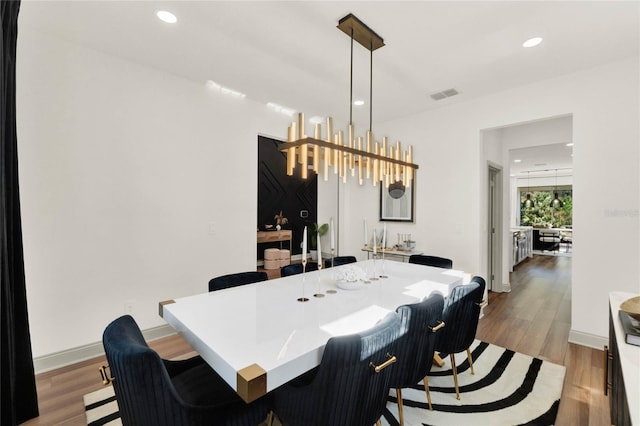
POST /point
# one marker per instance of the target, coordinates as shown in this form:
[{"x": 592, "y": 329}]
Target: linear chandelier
[{"x": 382, "y": 162}]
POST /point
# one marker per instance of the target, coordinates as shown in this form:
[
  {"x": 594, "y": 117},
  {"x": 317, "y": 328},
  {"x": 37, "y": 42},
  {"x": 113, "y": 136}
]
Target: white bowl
[{"x": 350, "y": 285}]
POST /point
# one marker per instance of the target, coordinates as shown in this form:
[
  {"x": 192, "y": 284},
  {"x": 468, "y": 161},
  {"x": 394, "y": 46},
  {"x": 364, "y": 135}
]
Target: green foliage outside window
[{"x": 542, "y": 215}]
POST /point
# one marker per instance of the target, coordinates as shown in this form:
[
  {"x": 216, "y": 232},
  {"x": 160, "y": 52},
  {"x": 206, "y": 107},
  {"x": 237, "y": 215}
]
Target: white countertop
[
  {"x": 629, "y": 357},
  {"x": 264, "y": 324}
]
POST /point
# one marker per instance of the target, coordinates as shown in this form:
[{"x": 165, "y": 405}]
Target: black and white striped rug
[{"x": 508, "y": 388}]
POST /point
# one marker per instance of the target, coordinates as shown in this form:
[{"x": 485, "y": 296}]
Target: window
[{"x": 542, "y": 215}]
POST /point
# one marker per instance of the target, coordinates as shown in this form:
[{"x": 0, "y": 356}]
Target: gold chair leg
[
  {"x": 426, "y": 389},
  {"x": 270, "y": 418},
  {"x": 378, "y": 423},
  {"x": 400, "y": 413},
  {"x": 470, "y": 358},
  {"x": 455, "y": 374}
]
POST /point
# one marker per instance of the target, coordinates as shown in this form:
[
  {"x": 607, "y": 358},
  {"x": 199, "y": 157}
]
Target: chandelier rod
[
  {"x": 371, "y": 87},
  {"x": 351, "y": 83}
]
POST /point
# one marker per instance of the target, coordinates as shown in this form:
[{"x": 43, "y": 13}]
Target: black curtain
[{"x": 19, "y": 397}]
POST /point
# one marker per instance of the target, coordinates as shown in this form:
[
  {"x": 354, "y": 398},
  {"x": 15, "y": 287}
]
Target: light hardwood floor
[{"x": 534, "y": 318}]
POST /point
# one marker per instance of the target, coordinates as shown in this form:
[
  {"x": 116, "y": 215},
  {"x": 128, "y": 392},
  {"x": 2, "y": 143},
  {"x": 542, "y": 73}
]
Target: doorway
[{"x": 494, "y": 227}]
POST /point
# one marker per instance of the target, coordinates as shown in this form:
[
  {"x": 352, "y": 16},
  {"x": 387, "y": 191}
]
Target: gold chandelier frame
[{"x": 382, "y": 161}]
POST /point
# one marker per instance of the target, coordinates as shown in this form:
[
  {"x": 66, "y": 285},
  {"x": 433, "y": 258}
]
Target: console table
[
  {"x": 274, "y": 236},
  {"x": 402, "y": 254}
]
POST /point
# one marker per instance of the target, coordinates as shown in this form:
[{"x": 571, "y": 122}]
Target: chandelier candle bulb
[
  {"x": 410, "y": 160},
  {"x": 291, "y": 156},
  {"x": 376, "y": 169},
  {"x": 359, "y": 159},
  {"x": 316, "y": 149},
  {"x": 405, "y": 170},
  {"x": 397, "y": 158},
  {"x": 338, "y": 154},
  {"x": 301, "y": 136},
  {"x": 352, "y": 163},
  {"x": 327, "y": 158},
  {"x": 383, "y": 164},
  {"x": 345, "y": 169},
  {"x": 327, "y": 151},
  {"x": 368, "y": 169}
]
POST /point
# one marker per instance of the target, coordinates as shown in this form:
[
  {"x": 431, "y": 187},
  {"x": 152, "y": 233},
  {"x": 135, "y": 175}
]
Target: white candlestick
[
  {"x": 319, "y": 250},
  {"x": 366, "y": 240},
  {"x": 384, "y": 236},
  {"x": 375, "y": 251},
  {"x": 304, "y": 244},
  {"x": 333, "y": 236}
]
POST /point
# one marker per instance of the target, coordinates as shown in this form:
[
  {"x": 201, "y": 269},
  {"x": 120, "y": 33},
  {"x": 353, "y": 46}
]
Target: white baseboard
[
  {"x": 60, "y": 359},
  {"x": 586, "y": 339}
]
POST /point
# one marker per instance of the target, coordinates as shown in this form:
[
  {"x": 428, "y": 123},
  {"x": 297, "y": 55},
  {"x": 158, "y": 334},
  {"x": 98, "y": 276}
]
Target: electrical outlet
[{"x": 129, "y": 306}]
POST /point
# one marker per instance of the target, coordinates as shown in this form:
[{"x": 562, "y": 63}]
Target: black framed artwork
[{"x": 397, "y": 203}]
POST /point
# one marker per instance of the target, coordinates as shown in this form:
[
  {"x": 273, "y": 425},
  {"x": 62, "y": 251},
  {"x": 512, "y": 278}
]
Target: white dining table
[{"x": 259, "y": 336}]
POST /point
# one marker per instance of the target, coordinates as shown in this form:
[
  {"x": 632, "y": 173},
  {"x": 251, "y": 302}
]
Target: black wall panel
[{"x": 277, "y": 191}]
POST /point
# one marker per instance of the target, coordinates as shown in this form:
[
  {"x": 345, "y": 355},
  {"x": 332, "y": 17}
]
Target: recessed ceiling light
[
  {"x": 359, "y": 102},
  {"x": 570, "y": 144},
  {"x": 517, "y": 161},
  {"x": 167, "y": 17},
  {"x": 534, "y": 41}
]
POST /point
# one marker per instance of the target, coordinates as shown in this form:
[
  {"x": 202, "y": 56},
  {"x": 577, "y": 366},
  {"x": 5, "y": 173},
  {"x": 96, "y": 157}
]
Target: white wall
[
  {"x": 451, "y": 213},
  {"x": 128, "y": 191},
  {"x": 136, "y": 185}
]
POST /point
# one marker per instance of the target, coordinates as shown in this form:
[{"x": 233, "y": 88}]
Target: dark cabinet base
[{"x": 618, "y": 405}]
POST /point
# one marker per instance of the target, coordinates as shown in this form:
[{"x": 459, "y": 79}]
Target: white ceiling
[
  {"x": 291, "y": 52},
  {"x": 543, "y": 160}
]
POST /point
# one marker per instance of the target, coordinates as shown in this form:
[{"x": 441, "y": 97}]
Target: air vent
[
  {"x": 540, "y": 164},
  {"x": 444, "y": 94}
]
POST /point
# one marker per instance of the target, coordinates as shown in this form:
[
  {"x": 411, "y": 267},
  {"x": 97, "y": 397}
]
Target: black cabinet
[{"x": 614, "y": 382}]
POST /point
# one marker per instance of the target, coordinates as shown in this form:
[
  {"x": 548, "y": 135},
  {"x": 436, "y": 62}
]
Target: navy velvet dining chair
[
  {"x": 296, "y": 268},
  {"x": 461, "y": 314},
  {"x": 351, "y": 384},
  {"x": 421, "y": 325},
  {"x": 438, "y": 262},
  {"x": 153, "y": 391},
  {"x": 237, "y": 279},
  {"x": 340, "y": 260}
]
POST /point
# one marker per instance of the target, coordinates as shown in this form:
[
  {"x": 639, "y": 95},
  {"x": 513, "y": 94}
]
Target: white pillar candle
[
  {"x": 333, "y": 236},
  {"x": 304, "y": 244},
  {"x": 384, "y": 236},
  {"x": 366, "y": 240},
  {"x": 319, "y": 250},
  {"x": 375, "y": 251}
]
